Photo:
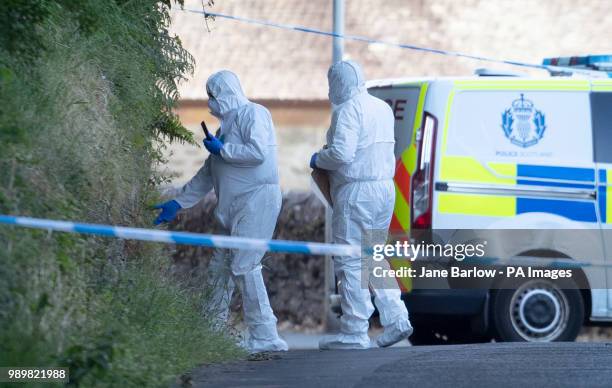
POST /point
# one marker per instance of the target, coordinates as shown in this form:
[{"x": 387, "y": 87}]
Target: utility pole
[
  {"x": 338, "y": 43},
  {"x": 331, "y": 320}
]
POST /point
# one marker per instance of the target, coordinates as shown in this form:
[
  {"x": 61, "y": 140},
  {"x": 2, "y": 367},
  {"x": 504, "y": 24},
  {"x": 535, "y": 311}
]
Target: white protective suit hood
[
  {"x": 227, "y": 92},
  {"x": 345, "y": 79}
]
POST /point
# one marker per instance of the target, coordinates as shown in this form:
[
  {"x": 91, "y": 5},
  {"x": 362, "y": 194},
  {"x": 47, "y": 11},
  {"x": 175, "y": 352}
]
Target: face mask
[
  {"x": 214, "y": 107},
  {"x": 334, "y": 99},
  {"x": 335, "y": 94}
]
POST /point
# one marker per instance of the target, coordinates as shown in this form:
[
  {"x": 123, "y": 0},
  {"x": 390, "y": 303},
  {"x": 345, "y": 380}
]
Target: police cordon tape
[
  {"x": 286, "y": 246},
  {"x": 185, "y": 238},
  {"x": 364, "y": 39}
]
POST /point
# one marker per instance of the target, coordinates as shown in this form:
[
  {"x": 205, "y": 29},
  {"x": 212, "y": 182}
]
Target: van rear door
[{"x": 407, "y": 101}]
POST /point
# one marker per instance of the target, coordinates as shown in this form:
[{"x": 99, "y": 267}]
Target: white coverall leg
[
  {"x": 392, "y": 311},
  {"x": 242, "y": 268},
  {"x": 361, "y": 164},
  {"x": 254, "y": 220},
  {"x": 244, "y": 175}
]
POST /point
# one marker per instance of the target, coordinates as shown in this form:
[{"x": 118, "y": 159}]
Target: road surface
[{"x": 483, "y": 365}]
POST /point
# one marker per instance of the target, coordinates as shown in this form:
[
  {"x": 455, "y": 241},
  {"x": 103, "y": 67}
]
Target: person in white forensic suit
[
  {"x": 360, "y": 162},
  {"x": 242, "y": 169}
]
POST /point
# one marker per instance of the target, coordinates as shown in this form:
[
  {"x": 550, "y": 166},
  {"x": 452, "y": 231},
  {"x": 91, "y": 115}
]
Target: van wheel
[{"x": 537, "y": 311}]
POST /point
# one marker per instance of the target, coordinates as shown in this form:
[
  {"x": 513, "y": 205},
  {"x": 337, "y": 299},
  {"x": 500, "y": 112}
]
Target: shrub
[{"x": 86, "y": 97}]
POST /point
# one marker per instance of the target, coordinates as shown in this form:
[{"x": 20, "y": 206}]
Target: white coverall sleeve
[
  {"x": 341, "y": 150},
  {"x": 254, "y": 133},
  {"x": 196, "y": 188}
]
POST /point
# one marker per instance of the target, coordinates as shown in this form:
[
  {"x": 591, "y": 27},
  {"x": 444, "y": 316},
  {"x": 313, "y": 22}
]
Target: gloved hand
[
  {"x": 313, "y": 160},
  {"x": 168, "y": 213},
  {"x": 213, "y": 145}
]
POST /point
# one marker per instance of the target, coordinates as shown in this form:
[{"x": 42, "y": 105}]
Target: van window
[
  {"x": 541, "y": 127},
  {"x": 403, "y": 102},
  {"x": 601, "y": 117}
]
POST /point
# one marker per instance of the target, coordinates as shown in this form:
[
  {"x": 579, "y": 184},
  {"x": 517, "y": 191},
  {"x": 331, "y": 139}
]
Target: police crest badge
[{"x": 523, "y": 125}]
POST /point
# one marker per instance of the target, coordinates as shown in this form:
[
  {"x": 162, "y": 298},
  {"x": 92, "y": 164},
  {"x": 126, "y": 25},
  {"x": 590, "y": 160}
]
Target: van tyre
[{"x": 536, "y": 311}]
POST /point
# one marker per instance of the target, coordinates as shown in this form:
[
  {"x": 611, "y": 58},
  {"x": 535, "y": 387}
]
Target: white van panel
[{"x": 477, "y": 128}]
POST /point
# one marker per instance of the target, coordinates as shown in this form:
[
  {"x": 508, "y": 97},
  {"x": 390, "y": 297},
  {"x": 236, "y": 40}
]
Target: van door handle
[{"x": 516, "y": 190}]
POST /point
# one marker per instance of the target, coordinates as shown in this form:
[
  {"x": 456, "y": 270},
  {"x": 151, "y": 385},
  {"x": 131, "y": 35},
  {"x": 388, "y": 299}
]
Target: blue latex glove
[
  {"x": 313, "y": 160},
  {"x": 168, "y": 213},
  {"x": 213, "y": 145}
]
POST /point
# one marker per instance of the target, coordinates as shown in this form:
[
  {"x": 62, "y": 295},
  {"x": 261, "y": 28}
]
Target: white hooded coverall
[
  {"x": 361, "y": 164},
  {"x": 245, "y": 179}
]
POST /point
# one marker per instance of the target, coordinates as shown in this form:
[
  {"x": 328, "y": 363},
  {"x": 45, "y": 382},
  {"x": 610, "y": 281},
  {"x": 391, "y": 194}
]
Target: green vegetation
[{"x": 86, "y": 96}]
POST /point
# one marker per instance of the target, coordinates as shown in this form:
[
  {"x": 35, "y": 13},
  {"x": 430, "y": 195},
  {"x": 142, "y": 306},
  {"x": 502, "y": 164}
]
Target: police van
[{"x": 497, "y": 151}]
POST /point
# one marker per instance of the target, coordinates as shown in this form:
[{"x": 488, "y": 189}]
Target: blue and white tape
[
  {"x": 186, "y": 238},
  {"x": 364, "y": 39},
  {"x": 229, "y": 242}
]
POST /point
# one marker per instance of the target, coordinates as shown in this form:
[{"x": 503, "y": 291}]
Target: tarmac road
[{"x": 482, "y": 365}]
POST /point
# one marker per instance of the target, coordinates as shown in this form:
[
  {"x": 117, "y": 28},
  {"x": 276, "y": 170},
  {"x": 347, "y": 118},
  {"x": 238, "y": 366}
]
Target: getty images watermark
[
  {"x": 409, "y": 250},
  {"x": 473, "y": 258},
  {"x": 395, "y": 260}
]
